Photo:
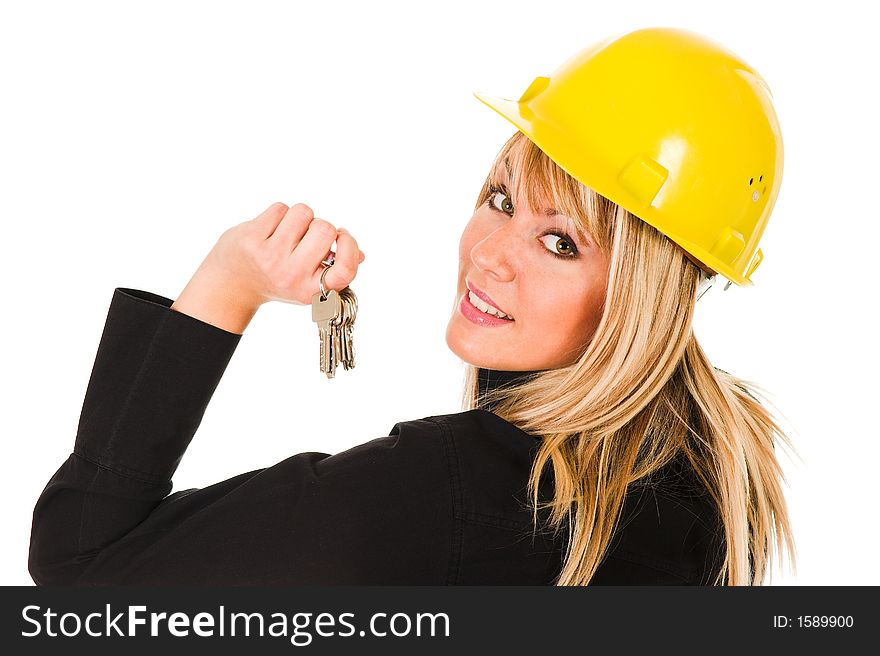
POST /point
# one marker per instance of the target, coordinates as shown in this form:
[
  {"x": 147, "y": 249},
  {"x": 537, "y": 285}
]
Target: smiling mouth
[{"x": 481, "y": 305}]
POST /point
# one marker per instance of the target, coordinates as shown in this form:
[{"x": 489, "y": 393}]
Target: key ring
[{"x": 327, "y": 264}]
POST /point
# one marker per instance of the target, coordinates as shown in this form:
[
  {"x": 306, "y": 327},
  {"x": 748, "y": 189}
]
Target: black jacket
[{"x": 440, "y": 500}]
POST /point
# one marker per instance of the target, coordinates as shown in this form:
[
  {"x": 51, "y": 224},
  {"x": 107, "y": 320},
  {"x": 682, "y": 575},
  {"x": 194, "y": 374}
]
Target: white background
[{"x": 134, "y": 134}]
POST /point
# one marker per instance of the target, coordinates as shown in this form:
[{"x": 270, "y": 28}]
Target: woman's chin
[
  {"x": 461, "y": 346},
  {"x": 478, "y": 346},
  {"x": 453, "y": 340},
  {"x": 472, "y": 356}
]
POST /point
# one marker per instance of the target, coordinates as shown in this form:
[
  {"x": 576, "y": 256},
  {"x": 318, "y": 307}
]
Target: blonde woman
[{"x": 597, "y": 445}]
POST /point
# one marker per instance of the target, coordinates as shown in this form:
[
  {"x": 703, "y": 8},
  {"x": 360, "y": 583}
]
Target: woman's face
[{"x": 535, "y": 268}]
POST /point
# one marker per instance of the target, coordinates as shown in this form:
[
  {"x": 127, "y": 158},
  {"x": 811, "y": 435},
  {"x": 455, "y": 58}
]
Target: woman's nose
[{"x": 492, "y": 254}]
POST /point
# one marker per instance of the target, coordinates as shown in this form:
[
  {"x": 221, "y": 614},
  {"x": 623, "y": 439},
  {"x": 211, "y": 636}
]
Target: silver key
[
  {"x": 350, "y": 313},
  {"x": 338, "y": 334},
  {"x": 334, "y": 344},
  {"x": 346, "y": 338},
  {"x": 325, "y": 311},
  {"x": 344, "y": 332},
  {"x": 354, "y": 307}
]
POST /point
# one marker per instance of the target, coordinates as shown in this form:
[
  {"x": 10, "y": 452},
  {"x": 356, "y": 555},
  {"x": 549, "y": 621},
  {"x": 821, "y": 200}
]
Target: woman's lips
[{"x": 478, "y": 316}]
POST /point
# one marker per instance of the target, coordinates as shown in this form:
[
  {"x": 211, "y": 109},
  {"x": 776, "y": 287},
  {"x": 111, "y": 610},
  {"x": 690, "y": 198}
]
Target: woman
[{"x": 598, "y": 444}]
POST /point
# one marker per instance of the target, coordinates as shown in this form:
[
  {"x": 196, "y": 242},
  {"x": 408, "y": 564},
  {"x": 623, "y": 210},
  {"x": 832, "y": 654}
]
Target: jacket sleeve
[{"x": 370, "y": 514}]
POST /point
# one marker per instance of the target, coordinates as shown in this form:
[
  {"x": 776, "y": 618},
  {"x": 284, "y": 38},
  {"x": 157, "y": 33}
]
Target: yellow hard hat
[{"x": 671, "y": 126}]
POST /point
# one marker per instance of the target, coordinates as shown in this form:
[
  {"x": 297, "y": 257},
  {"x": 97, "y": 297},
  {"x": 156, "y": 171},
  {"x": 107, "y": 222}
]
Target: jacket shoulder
[{"x": 494, "y": 459}]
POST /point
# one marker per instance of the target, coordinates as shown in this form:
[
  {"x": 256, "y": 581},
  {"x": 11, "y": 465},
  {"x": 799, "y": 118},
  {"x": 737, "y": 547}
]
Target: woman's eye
[
  {"x": 559, "y": 245},
  {"x": 505, "y": 206}
]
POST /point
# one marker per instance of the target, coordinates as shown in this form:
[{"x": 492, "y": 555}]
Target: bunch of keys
[{"x": 334, "y": 312}]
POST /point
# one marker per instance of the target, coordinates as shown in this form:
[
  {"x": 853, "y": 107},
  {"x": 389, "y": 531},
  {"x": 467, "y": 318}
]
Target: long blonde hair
[{"x": 641, "y": 392}]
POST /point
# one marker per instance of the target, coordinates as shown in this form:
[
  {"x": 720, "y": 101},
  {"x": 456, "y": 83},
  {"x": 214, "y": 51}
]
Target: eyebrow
[{"x": 546, "y": 211}]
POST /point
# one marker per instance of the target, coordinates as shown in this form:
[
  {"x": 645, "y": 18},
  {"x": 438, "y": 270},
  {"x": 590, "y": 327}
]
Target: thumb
[{"x": 362, "y": 257}]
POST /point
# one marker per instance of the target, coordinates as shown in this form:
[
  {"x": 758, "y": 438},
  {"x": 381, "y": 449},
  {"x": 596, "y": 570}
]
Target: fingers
[
  {"x": 289, "y": 230},
  {"x": 266, "y": 222},
  {"x": 314, "y": 247},
  {"x": 345, "y": 265},
  {"x": 356, "y": 248}
]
